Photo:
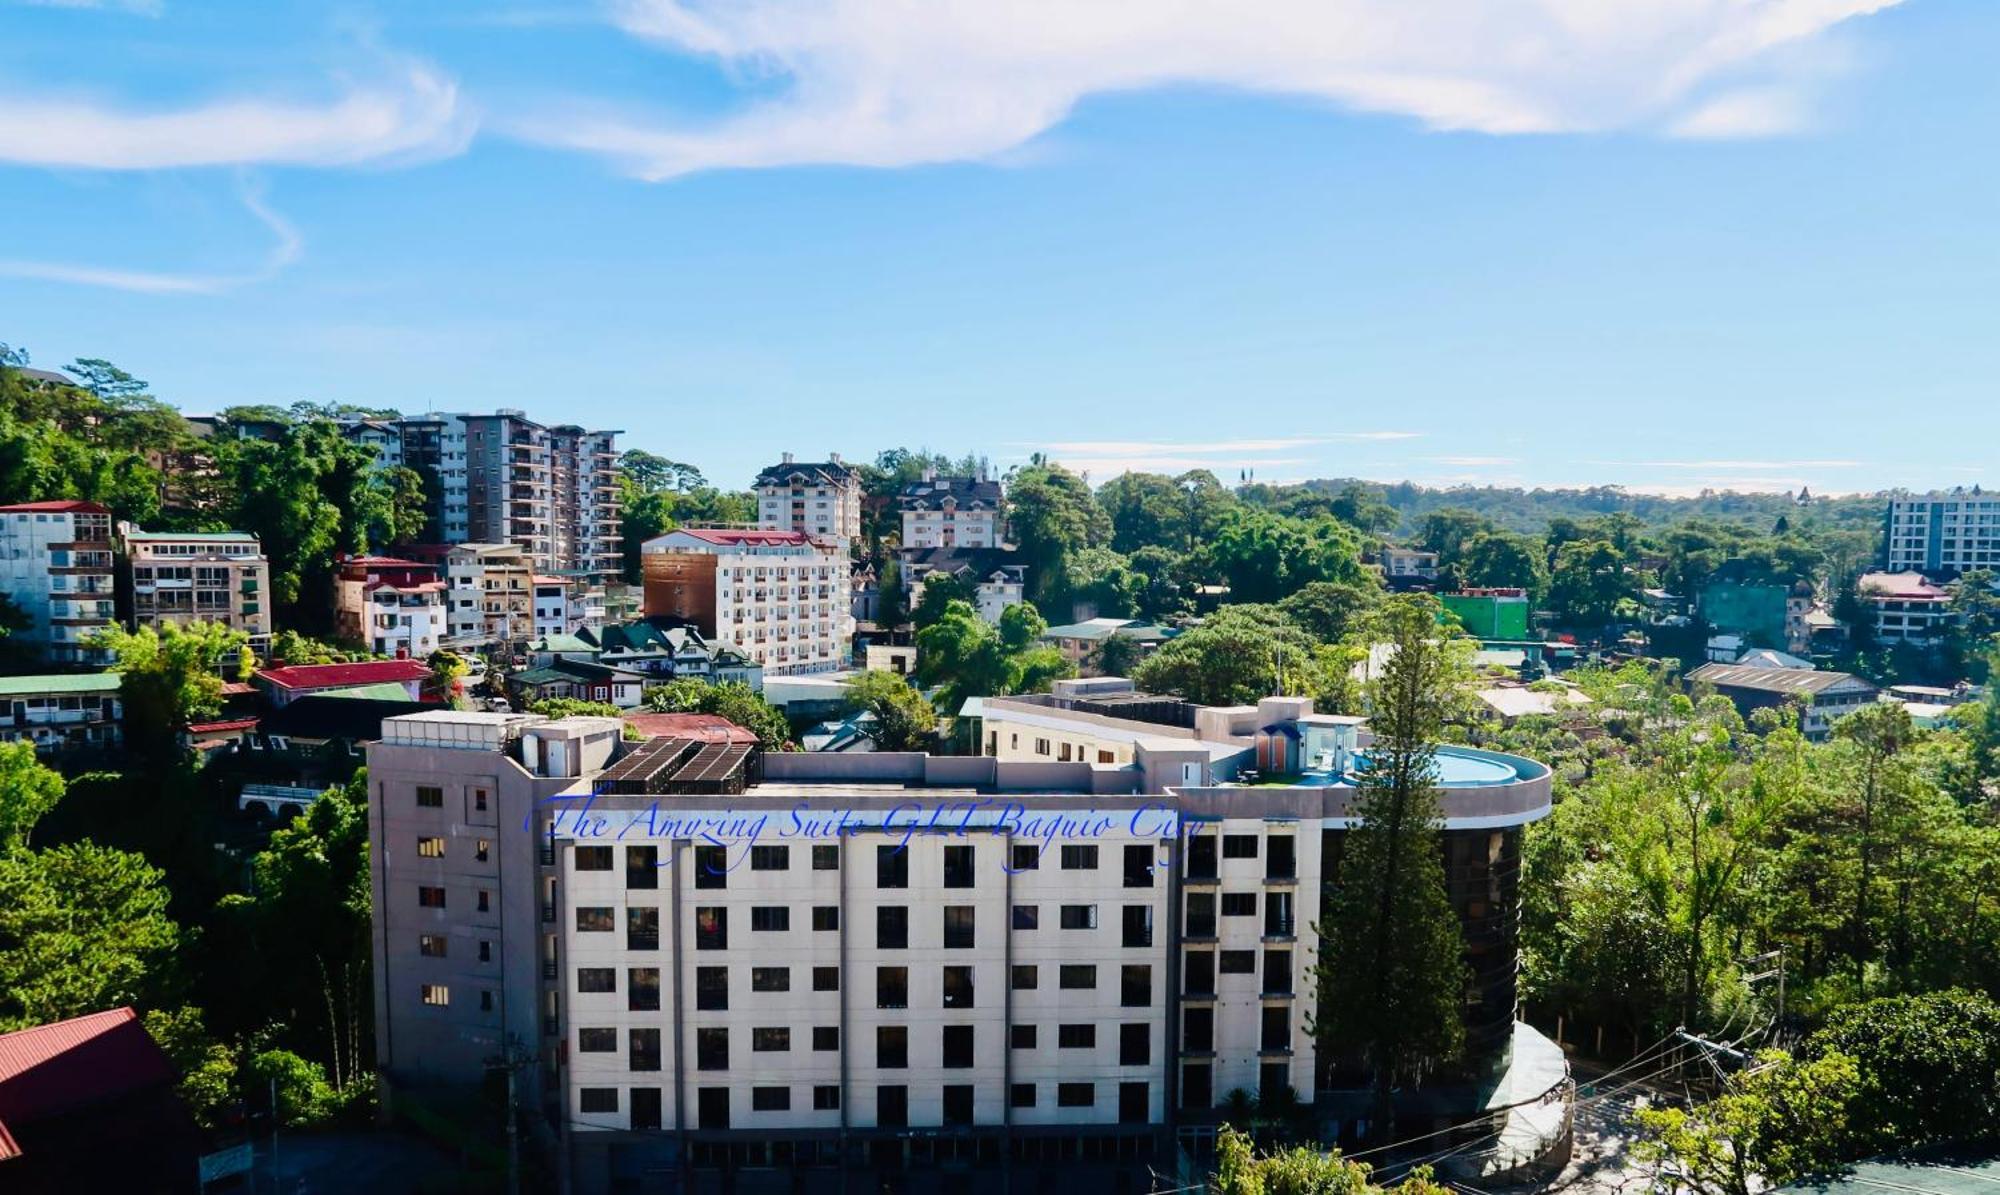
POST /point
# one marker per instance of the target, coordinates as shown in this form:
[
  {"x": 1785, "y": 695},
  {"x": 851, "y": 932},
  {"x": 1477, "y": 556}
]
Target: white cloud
[
  {"x": 1733, "y": 466},
  {"x": 1752, "y": 112},
  {"x": 414, "y": 114},
  {"x": 144, "y": 8},
  {"x": 872, "y": 83},
  {"x": 286, "y": 251},
  {"x": 1474, "y": 462}
]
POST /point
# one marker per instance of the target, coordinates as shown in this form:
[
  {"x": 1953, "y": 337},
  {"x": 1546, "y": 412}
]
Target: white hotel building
[
  {"x": 978, "y": 1004},
  {"x": 781, "y": 599},
  {"x": 1944, "y": 534}
]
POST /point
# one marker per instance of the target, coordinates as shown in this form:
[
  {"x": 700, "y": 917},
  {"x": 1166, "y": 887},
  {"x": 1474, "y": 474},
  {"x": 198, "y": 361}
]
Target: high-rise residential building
[
  {"x": 884, "y": 967},
  {"x": 820, "y": 498},
  {"x": 779, "y": 598},
  {"x": 951, "y": 512},
  {"x": 1944, "y": 534},
  {"x": 503, "y": 478},
  {"x": 489, "y": 592},
  {"x": 183, "y": 577},
  {"x": 56, "y": 566}
]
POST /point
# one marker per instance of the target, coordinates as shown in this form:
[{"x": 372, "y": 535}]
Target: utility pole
[
  {"x": 1777, "y": 972},
  {"x": 511, "y": 1060}
]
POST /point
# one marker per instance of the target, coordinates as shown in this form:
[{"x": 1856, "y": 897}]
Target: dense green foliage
[
  {"x": 904, "y": 721},
  {"x": 962, "y": 655},
  {"x": 736, "y": 702}
]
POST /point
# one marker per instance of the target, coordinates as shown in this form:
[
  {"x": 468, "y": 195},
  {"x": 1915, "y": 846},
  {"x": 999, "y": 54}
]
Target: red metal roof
[
  {"x": 723, "y": 535},
  {"x": 63, "y": 504},
  {"x": 51, "y": 1069},
  {"x": 227, "y": 724},
  {"x": 707, "y": 728},
  {"x": 332, "y": 676}
]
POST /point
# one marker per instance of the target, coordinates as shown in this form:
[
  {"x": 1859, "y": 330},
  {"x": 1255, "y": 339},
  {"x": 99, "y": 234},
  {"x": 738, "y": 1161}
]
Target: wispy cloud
[
  {"x": 144, "y": 8},
  {"x": 286, "y": 251},
  {"x": 412, "y": 114},
  {"x": 1474, "y": 462},
  {"x": 1102, "y": 458},
  {"x": 1733, "y": 466},
  {"x": 1147, "y": 448},
  {"x": 1752, "y": 112},
  {"x": 874, "y": 84}
]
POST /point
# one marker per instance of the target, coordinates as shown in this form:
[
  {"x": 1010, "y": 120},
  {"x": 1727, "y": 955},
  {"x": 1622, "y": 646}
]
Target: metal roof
[
  {"x": 1775, "y": 680},
  {"x": 73, "y": 682}
]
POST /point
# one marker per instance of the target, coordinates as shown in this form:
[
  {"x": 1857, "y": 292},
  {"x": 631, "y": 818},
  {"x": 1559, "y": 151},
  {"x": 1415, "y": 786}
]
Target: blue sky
[{"x": 1660, "y": 243}]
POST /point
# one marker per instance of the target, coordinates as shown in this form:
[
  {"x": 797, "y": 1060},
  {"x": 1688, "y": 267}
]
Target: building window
[
  {"x": 593, "y": 919},
  {"x": 892, "y": 987},
  {"x": 597, "y": 1041},
  {"x": 1080, "y": 1036},
  {"x": 1200, "y": 915},
  {"x": 958, "y": 987},
  {"x": 1238, "y": 962},
  {"x": 1076, "y": 976},
  {"x": 485, "y": 951},
  {"x": 826, "y": 1037},
  {"x": 1197, "y": 1086},
  {"x": 1239, "y": 904},
  {"x": 770, "y": 1099},
  {"x": 771, "y": 1041},
  {"x": 1137, "y": 927},
  {"x": 642, "y": 989},
  {"x": 1282, "y": 858},
  {"x": 430, "y": 796},
  {"x": 958, "y": 1047},
  {"x": 596, "y": 979},
  {"x": 892, "y": 1047},
  {"x": 642, "y": 1050},
  {"x": 1021, "y": 1095},
  {"x": 1026, "y": 977},
  {"x": 642, "y": 867},
  {"x": 1198, "y": 1029},
  {"x": 431, "y": 945},
  {"x": 1021, "y": 1037},
  {"x": 1277, "y": 1028},
  {"x": 826, "y": 918},
  {"x": 892, "y": 1107},
  {"x": 430, "y": 848},
  {"x": 892, "y": 927},
  {"x": 770, "y": 858},
  {"x": 711, "y": 928},
  {"x": 436, "y": 994},
  {"x": 1135, "y": 986},
  {"x": 1076, "y": 1095},
  {"x": 429, "y": 897},
  {"x": 826, "y": 1098},
  {"x": 1135, "y": 1045},
  {"x": 642, "y": 928},
  {"x": 593, "y": 858},
  {"x": 1079, "y": 858},
  {"x": 711, "y": 867},
  {"x": 826, "y": 857},
  {"x": 958, "y": 867},
  {"x": 957, "y": 1104},
  {"x": 1027, "y": 916},
  {"x": 892, "y": 867},
  {"x": 645, "y": 1107},
  {"x": 1025, "y": 857},
  {"x": 1239, "y": 846},
  {"x": 711, "y": 989},
  {"x": 958, "y": 921},
  {"x": 1140, "y": 864},
  {"x": 596, "y": 1099},
  {"x": 1135, "y": 1103},
  {"x": 1199, "y": 973},
  {"x": 770, "y": 918},
  {"x": 711, "y": 1049}
]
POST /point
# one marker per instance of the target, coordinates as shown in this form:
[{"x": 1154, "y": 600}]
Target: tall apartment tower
[
  {"x": 821, "y": 498},
  {"x": 56, "y": 565},
  {"x": 1944, "y": 534},
  {"x": 503, "y": 478},
  {"x": 212, "y": 577}
]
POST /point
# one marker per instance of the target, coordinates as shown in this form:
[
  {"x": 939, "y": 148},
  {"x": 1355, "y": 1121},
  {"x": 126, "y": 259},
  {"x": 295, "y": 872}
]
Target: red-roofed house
[
  {"x": 55, "y": 563},
  {"x": 779, "y": 598},
  {"x": 286, "y": 685},
  {"x": 88, "y": 1104},
  {"x": 396, "y": 606},
  {"x": 1908, "y": 608},
  {"x": 704, "y": 728}
]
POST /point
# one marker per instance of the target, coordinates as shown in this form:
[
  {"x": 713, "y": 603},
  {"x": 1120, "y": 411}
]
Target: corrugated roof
[
  {"x": 235, "y": 537},
  {"x": 705, "y": 728},
  {"x": 728, "y": 537},
  {"x": 74, "y": 682},
  {"x": 62, "y": 504},
  {"x": 1774, "y": 680},
  {"x": 52, "y": 1069},
  {"x": 329, "y": 676}
]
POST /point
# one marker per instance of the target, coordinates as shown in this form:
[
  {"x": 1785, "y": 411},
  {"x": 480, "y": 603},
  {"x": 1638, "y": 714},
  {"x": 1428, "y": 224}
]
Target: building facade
[
  {"x": 67, "y": 712},
  {"x": 56, "y": 566},
  {"x": 1908, "y": 608},
  {"x": 214, "y": 577},
  {"x": 1822, "y": 696},
  {"x": 952, "y": 512},
  {"x": 397, "y": 607},
  {"x": 821, "y": 499},
  {"x": 779, "y": 598},
  {"x": 1943, "y": 534},
  {"x": 940, "y": 971}
]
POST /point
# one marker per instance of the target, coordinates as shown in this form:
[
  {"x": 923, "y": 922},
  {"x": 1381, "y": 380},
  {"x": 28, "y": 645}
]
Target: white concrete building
[
  {"x": 182, "y": 577},
  {"x": 1944, "y": 533},
  {"x": 780, "y": 598},
  {"x": 67, "y": 712},
  {"x": 56, "y": 565},
  {"x": 1908, "y": 608},
  {"x": 952, "y": 512},
  {"x": 489, "y": 594},
  {"x": 821, "y": 499}
]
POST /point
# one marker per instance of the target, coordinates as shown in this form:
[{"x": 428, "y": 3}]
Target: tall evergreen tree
[{"x": 1393, "y": 974}]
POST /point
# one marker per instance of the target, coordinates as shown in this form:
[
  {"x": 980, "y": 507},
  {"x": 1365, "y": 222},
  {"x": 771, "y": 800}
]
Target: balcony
[{"x": 551, "y": 969}]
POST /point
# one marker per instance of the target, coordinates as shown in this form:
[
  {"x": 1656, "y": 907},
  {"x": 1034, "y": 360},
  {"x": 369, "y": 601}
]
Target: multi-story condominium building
[
  {"x": 780, "y": 598},
  {"x": 489, "y": 594},
  {"x": 211, "y": 577},
  {"x": 56, "y": 566},
  {"x": 995, "y": 580},
  {"x": 555, "y": 611},
  {"x": 75, "y": 711},
  {"x": 1908, "y": 608},
  {"x": 503, "y": 478},
  {"x": 396, "y": 606},
  {"x": 1823, "y": 696},
  {"x": 821, "y": 499},
  {"x": 890, "y": 967},
  {"x": 952, "y": 512},
  {"x": 1943, "y": 534}
]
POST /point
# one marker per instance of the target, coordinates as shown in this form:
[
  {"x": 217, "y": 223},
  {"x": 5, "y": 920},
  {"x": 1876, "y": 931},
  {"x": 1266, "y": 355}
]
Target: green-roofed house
[
  {"x": 75, "y": 712},
  {"x": 215, "y": 576},
  {"x": 579, "y": 679},
  {"x": 1079, "y": 642},
  {"x": 651, "y": 646}
]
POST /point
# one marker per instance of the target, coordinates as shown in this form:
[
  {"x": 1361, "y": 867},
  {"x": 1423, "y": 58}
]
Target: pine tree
[{"x": 1393, "y": 976}]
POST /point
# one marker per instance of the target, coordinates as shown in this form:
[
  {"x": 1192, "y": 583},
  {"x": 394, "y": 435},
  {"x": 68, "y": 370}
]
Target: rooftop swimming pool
[{"x": 1457, "y": 767}]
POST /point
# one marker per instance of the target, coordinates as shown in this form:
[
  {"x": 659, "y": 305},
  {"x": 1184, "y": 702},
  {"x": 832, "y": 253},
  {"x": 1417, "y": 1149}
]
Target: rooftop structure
[
  {"x": 1824, "y": 696},
  {"x": 88, "y": 1104}
]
